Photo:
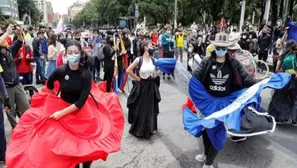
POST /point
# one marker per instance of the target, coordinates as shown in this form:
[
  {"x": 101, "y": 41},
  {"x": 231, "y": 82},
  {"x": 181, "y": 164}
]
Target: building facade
[
  {"x": 41, "y": 5},
  {"x": 50, "y": 12},
  {"x": 75, "y": 9},
  {"x": 9, "y": 8}
]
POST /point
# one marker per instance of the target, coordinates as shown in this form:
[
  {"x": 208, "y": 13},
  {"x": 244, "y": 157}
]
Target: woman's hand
[
  {"x": 57, "y": 115},
  {"x": 138, "y": 79}
]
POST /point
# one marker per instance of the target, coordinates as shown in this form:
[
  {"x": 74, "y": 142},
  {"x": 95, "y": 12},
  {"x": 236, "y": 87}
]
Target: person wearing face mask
[
  {"x": 243, "y": 42},
  {"x": 278, "y": 30},
  {"x": 77, "y": 37},
  {"x": 283, "y": 105},
  {"x": 144, "y": 98},
  {"x": 67, "y": 116},
  {"x": 108, "y": 52},
  {"x": 180, "y": 37},
  {"x": 16, "y": 93},
  {"x": 264, "y": 45},
  {"x": 221, "y": 75},
  {"x": 168, "y": 46},
  {"x": 215, "y": 85}
]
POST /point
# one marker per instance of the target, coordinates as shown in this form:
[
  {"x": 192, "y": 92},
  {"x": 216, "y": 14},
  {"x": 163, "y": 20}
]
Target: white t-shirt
[{"x": 147, "y": 69}]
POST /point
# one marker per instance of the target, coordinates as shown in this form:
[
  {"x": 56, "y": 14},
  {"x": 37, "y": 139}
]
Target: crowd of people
[{"x": 68, "y": 64}]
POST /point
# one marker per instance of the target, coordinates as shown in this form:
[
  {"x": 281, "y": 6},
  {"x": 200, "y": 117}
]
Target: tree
[
  {"x": 100, "y": 12},
  {"x": 29, "y": 7}
]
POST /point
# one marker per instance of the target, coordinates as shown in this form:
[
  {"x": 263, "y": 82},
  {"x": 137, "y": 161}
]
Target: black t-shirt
[
  {"x": 219, "y": 82},
  {"x": 75, "y": 85}
]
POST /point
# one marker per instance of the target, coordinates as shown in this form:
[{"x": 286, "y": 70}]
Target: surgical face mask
[
  {"x": 73, "y": 59},
  {"x": 244, "y": 37},
  {"x": 221, "y": 53},
  {"x": 168, "y": 32}
]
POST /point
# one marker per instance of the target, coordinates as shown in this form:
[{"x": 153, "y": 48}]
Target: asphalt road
[{"x": 173, "y": 147}]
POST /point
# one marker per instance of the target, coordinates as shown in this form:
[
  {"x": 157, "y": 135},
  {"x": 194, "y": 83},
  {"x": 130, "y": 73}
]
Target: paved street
[{"x": 173, "y": 147}]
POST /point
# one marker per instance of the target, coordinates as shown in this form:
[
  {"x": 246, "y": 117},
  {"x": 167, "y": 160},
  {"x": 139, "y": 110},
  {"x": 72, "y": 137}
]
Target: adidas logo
[{"x": 219, "y": 79}]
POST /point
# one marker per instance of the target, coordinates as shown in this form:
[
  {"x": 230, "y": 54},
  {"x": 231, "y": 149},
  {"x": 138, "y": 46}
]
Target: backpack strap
[{"x": 139, "y": 65}]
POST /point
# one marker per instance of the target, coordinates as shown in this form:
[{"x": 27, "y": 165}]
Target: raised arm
[{"x": 6, "y": 34}]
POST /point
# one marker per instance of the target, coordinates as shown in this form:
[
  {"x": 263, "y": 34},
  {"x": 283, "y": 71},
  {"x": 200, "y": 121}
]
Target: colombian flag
[
  {"x": 124, "y": 76},
  {"x": 115, "y": 75}
]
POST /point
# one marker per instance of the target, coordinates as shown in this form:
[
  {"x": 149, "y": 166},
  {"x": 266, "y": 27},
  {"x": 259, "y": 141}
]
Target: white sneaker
[
  {"x": 208, "y": 166},
  {"x": 201, "y": 158}
]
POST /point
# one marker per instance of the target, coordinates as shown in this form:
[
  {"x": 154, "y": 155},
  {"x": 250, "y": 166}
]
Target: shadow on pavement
[{"x": 251, "y": 153}]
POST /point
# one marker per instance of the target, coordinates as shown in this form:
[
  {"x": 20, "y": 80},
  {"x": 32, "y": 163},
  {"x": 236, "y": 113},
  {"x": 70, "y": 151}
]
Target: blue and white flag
[{"x": 219, "y": 112}]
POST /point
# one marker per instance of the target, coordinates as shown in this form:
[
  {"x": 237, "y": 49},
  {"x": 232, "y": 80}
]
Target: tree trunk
[
  {"x": 281, "y": 9},
  {"x": 273, "y": 12},
  {"x": 262, "y": 13},
  {"x": 291, "y": 6}
]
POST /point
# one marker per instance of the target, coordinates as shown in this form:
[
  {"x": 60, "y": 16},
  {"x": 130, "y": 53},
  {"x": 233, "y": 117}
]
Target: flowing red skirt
[{"x": 86, "y": 135}]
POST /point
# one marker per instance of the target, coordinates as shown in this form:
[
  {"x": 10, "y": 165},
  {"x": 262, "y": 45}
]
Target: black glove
[{"x": 6, "y": 103}]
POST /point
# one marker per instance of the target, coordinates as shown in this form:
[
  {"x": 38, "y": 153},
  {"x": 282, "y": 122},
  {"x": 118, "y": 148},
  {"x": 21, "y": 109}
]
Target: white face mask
[{"x": 244, "y": 37}]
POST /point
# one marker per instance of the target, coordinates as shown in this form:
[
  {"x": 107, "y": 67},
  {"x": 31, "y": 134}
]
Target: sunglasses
[{"x": 221, "y": 48}]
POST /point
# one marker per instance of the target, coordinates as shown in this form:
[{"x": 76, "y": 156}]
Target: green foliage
[
  {"x": 101, "y": 12},
  {"x": 4, "y": 22},
  {"x": 28, "y": 7}
]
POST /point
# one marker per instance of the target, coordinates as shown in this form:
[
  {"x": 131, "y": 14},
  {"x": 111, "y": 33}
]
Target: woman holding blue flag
[
  {"x": 218, "y": 89},
  {"x": 220, "y": 75}
]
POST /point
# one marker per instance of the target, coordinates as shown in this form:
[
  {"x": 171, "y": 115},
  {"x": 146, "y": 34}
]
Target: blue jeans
[
  {"x": 2, "y": 135},
  {"x": 50, "y": 68},
  {"x": 39, "y": 69}
]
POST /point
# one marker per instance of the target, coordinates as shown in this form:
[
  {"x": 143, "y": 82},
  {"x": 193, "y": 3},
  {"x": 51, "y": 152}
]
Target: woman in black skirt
[{"x": 143, "y": 101}]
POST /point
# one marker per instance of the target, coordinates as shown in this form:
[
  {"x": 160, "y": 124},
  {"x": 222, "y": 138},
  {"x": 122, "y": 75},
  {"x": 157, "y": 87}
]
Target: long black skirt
[
  {"x": 283, "y": 103},
  {"x": 143, "y": 105}
]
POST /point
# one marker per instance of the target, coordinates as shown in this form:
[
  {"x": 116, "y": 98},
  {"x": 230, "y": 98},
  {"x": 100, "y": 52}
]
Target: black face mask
[
  {"x": 151, "y": 51},
  {"x": 77, "y": 39}
]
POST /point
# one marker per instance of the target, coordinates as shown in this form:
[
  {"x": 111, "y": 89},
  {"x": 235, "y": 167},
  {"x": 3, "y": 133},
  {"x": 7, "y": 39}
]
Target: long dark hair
[
  {"x": 85, "y": 58},
  {"x": 142, "y": 45},
  {"x": 291, "y": 46},
  {"x": 52, "y": 40}
]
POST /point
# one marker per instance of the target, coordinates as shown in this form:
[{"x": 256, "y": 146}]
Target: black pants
[
  {"x": 209, "y": 149},
  {"x": 96, "y": 68},
  {"x": 274, "y": 65},
  {"x": 85, "y": 165},
  {"x": 108, "y": 76},
  {"x": 263, "y": 55}
]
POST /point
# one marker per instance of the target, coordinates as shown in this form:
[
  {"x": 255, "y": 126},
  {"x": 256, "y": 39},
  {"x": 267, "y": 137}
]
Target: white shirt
[{"x": 147, "y": 69}]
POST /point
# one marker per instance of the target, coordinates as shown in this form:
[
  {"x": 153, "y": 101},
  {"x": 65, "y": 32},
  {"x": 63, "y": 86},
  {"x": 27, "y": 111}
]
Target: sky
[{"x": 61, "y": 6}]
